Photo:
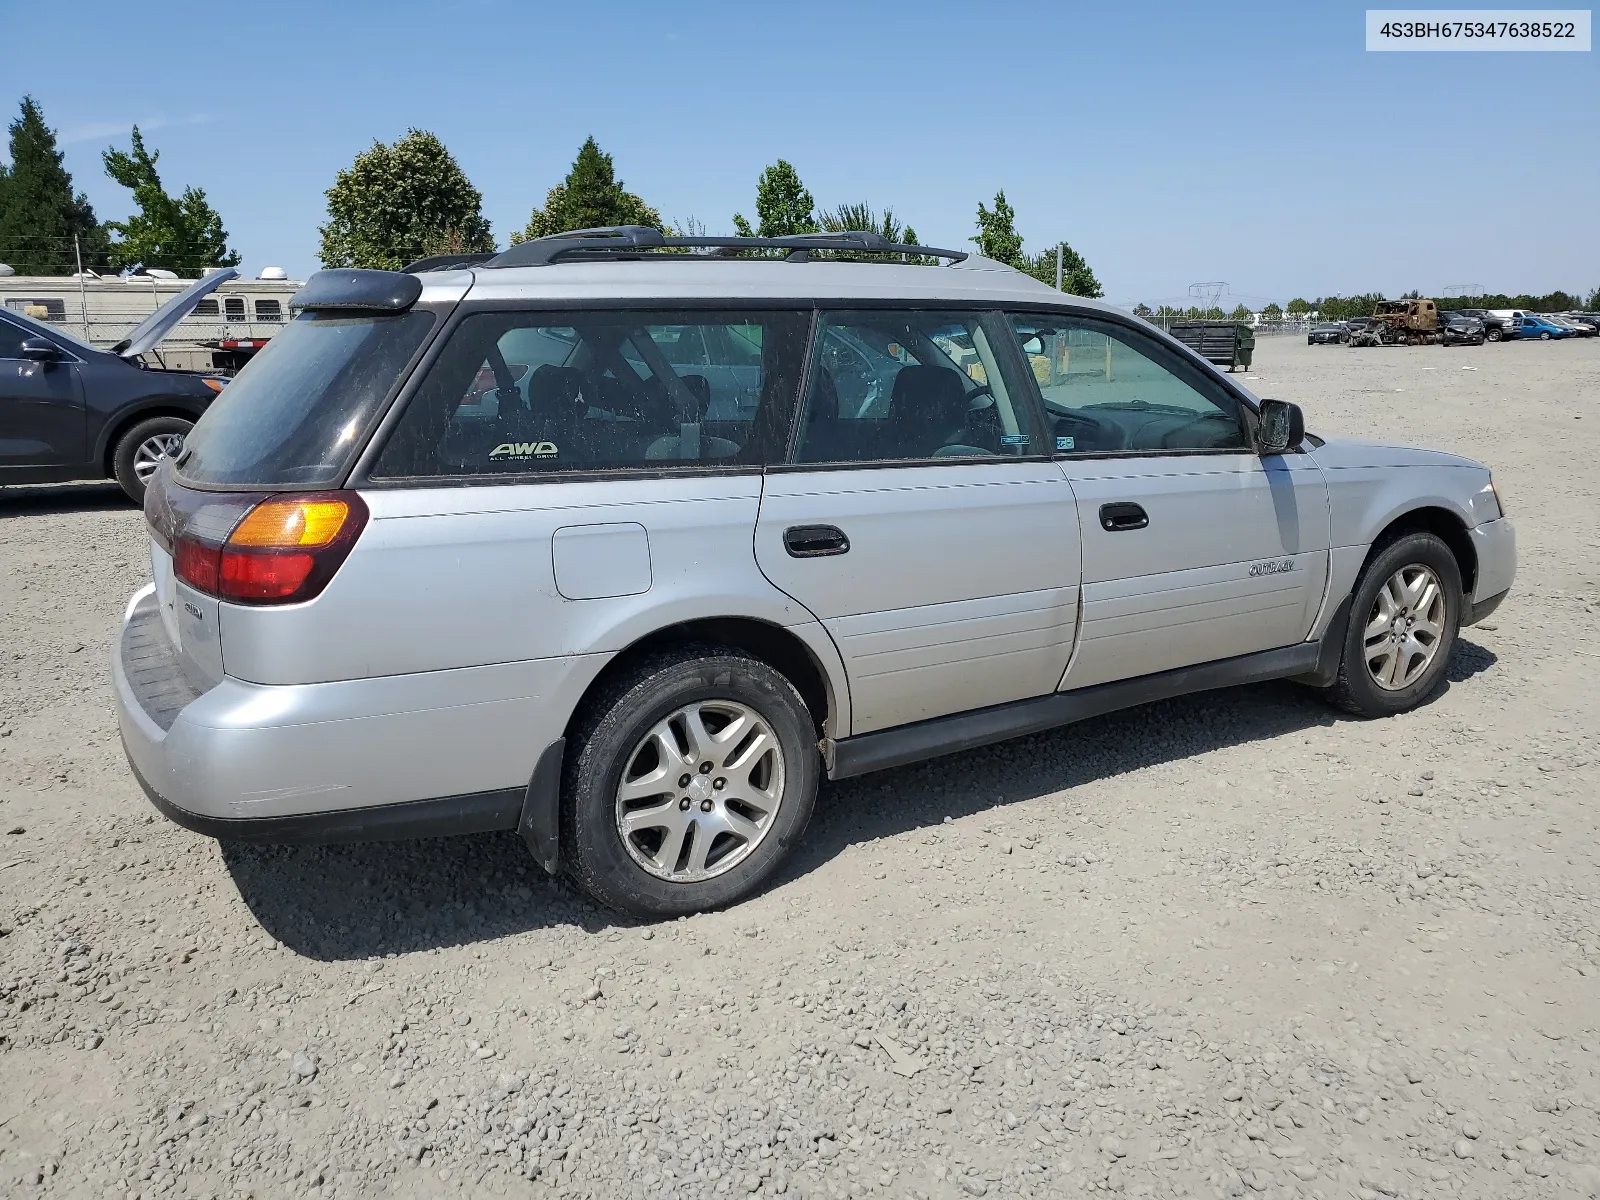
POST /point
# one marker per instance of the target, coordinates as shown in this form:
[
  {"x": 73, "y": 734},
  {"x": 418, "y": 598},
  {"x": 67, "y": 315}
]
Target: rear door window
[
  {"x": 539, "y": 392},
  {"x": 909, "y": 386}
]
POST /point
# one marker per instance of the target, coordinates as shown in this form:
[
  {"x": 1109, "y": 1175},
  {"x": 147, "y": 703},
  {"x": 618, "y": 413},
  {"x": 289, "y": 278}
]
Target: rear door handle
[
  {"x": 815, "y": 541},
  {"x": 1122, "y": 517}
]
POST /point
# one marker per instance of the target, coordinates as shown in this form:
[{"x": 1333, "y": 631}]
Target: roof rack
[
  {"x": 448, "y": 262},
  {"x": 639, "y": 241}
]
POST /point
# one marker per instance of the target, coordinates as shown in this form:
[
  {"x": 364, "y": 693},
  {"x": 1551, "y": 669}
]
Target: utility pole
[
  {"x": 1058, "y": 266},
  {"x": 83, "y": 290}
]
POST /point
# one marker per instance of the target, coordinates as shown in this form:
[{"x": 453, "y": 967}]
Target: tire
[
  {"x": 1415, "y": 559},
  {"x": 1493, "y": 335},
  {"x": 613, "y": 739},
  {"x": 135, "y": 458},
  {"x": 1545, "y": 336}
]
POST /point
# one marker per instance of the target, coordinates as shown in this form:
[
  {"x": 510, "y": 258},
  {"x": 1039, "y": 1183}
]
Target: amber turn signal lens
[
  {"x": 216, "y": 385},
  {"x": 286, "y": 523}
]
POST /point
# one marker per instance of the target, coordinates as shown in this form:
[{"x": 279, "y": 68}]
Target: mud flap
[{"x": 540, "y": 823}]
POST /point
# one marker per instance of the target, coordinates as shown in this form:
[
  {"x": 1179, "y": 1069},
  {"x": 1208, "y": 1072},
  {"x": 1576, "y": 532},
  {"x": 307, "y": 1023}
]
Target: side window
[
  {"x": 269, "y": 310},
  {"x": 1107, "y": 389},
  {"x": 11, "y": 339},
  {"x": 514, "y": 393},
  {"x": 207, "y": 307},
  {"x": 50, "y": 309},
  {"x": 233, "y": 308},
  {"x": 897, "y": 386}
]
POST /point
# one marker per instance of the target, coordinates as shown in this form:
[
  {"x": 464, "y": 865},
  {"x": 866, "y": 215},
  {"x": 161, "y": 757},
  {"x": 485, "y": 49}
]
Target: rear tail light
[{"x": 284, "y": 550}]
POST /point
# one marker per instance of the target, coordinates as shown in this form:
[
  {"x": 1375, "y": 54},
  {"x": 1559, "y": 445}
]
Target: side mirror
[
  {"x": 40, "y": 349},
  {"x": 1282, "y": 427}
]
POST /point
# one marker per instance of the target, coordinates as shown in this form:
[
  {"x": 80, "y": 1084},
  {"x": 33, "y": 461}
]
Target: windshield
[
  {"x": 297, "y": 414},
  {"x": 55, "y": 331}
]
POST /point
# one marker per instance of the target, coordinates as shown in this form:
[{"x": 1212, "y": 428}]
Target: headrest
[{"x": 928, "y": 394}]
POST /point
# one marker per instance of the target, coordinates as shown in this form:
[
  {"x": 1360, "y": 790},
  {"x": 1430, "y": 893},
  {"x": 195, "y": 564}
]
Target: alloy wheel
[
  {"x": 1405, "y": 627},
  {"x": 152, "y": 450},
  {"x": 700, "y": 791}
]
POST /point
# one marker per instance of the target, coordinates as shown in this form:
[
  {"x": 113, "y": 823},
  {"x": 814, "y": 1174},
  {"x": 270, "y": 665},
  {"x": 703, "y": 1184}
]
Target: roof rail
[
  {"x": 447, "y": 262},
  {"x": 637, "y": 241}
]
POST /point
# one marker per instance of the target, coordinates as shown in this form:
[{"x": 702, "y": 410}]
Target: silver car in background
[{"x": 626, "y": 548}]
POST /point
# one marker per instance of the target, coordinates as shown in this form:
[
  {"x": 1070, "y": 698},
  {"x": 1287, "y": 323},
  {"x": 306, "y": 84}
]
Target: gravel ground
[{"x": 1234, "y": 945}]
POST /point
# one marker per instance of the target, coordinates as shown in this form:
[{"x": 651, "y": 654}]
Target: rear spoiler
[{"x": 352, "y": 290}]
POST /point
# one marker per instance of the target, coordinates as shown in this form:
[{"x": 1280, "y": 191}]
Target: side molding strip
[{"x": 965, "y": 731}]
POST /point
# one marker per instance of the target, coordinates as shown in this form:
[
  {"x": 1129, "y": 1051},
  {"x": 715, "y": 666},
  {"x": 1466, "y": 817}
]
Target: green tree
[
  {"x": 1076, "y": 277},
  {"x": 852, "y": 218},
  {"x": 783, "y": 205},
  {"x": 39, "y": 212},
  {"x": 1298, "y": 307},
  {"x": 998, "y": 237},
  {"x": 1593, "y": 302},
  {"x": 590, "y": 197},
  {"x": 1272, "y": 312},
  {"x": 183, "y": 235},
  {"x": 396, "y": 204},
  {"x": 1143, "y": 310},
  {"x": 1239, "y": 313}
]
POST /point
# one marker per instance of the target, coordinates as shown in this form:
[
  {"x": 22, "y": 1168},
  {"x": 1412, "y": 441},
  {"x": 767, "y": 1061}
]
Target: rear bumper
[{"x": 356, "y": 760}]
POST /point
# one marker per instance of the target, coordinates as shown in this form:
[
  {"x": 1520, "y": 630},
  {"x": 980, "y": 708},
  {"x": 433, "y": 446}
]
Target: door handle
[
  {"x": 815, "y": 541},
  {"x": 1122, "y": 517}
]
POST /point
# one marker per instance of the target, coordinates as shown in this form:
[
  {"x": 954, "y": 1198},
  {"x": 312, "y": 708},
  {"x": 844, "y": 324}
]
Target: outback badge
[{"x": 1276, "y": 566}]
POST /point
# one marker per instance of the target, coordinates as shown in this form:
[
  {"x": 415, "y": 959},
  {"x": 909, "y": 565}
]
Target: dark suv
[
  {"x": 70, "y": 411},
  {"x": 1495, "y": 329}
]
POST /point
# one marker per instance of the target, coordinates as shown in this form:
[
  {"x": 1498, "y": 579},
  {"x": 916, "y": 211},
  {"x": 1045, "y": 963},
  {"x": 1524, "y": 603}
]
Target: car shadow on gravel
[
  {"x": 338, "y": 903},
  {"x": 341, "y": 903},
  {"x": 895, "y": 802},
  {"x": 46, "y": 499}
]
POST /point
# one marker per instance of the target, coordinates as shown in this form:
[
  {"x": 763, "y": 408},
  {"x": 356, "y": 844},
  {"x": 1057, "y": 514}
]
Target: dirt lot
[{"x": 1232, "y": 945}]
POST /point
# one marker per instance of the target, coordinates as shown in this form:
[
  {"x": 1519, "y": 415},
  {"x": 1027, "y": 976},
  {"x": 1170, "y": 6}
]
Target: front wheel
[
  {"x": 1493, "y": 335},
  {"x": 1545, "y": 336},
  {"x": 694, "y": 775},
  {"x": 141, "y": 450},
  {"x": 1404, "y": 617}
]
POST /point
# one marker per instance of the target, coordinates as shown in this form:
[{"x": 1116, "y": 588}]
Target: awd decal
[
  {"x": 524, "y": 450},
  {"x": 1276, "y": 566}
]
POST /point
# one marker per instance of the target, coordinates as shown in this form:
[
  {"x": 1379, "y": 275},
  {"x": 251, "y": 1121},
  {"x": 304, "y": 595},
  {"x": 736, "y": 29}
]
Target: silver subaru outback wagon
[{"x": 624, "y": 542}]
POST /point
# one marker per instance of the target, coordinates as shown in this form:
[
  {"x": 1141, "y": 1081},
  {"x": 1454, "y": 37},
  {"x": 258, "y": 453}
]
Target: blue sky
[{"x": 1254, "y": 143}]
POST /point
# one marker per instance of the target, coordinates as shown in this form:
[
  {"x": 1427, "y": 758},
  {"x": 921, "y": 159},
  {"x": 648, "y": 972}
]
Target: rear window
[{"x": 297, "y": 414}]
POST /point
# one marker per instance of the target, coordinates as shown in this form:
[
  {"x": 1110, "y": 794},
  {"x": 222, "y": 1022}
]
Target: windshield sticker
[
  {"x": 523, "y": 451},
  {"x": 1066, "y": 443},
  {"x": 1014, "y": 439}
]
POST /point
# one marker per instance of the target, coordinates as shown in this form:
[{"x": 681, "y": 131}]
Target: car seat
[
  {"x": 689, "y": 443},
  {"x": 927, "y": 414}
]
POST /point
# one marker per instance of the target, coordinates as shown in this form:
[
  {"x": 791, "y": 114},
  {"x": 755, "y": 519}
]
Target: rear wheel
[
  {"x": 694, "y": 775},
  {"x": 141, "y": 450},
  {"x": 1404, "y": 618}
]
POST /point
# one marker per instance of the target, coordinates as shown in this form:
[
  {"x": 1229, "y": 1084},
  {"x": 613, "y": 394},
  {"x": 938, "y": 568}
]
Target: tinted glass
[
  {"x": 1107, "y": 389},
  {"x": 10, "y": 340},
  {"x": 512, "y": 393},
  {"x": 889, "y": 386},
  {"x": 299, "y": 411},
  {"x": 31, "y": 328}
]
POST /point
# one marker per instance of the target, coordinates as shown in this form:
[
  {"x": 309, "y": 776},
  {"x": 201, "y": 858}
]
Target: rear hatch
[{"x": 265, "y": 464}]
